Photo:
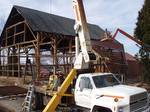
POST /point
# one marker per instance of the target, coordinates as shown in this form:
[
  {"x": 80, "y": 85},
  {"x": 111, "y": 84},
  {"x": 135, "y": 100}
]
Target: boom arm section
[
  {"x": 130, "y": 37},
  {"x": 85, "y": 54}
]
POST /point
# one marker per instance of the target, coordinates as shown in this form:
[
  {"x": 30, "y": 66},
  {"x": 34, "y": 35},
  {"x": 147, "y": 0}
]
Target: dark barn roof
[{"x": 45, "y": 22}]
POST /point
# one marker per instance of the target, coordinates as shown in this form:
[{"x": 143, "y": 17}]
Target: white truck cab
[{"x": 103, "y": 92}]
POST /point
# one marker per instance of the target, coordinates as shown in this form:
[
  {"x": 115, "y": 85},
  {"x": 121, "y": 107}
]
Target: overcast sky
[{"x": 110, "y": 14}]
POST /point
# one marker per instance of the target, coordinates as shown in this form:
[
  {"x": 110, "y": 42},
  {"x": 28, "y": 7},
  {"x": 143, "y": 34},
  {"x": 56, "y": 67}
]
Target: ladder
[
  {"x": 27, "y": 105},
  {"x": 27, "y": 66}
]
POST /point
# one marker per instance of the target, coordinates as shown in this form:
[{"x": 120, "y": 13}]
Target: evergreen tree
[{"x": 142, "y": 32}]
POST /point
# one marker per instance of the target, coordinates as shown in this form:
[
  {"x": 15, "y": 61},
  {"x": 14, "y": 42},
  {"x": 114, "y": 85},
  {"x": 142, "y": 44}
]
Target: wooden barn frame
[{"x": 29, "y": 33}]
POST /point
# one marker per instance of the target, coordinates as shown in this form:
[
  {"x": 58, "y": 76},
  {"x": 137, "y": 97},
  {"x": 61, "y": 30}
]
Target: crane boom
[
  {"x": 127, "y": 35},
  {"x": 130, "y": 37},
  {"x": 82, "y": 33}
]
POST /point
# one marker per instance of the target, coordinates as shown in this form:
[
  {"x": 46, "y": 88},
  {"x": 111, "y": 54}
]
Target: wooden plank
[
  {"x": 15, "y": 25},
  {"x": 55, "y": 55},
  {"x": 27, "y": 42},
  {"x": 19, "y": 75},
  {"x": 30, "y": 30},
  {"x": 38, "y": 56}
]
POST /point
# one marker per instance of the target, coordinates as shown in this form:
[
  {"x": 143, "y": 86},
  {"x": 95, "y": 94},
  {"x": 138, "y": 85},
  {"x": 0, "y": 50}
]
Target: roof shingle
[{"x": 45, "y": 22}]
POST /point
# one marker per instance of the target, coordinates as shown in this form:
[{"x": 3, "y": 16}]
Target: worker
[{"x": 53, "y": 83}]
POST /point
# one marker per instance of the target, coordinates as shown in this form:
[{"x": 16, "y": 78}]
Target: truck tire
[
  {"x": 79, "y": 109},
  {"x": 76, "y": 110},
  {"x": 100, "y": 109}
]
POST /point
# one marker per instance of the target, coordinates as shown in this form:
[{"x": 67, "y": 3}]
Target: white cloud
[
  {"x": 109, "y": 14},
  {"x": 4, "y": 8},
  {"x": 112, "y": 14}
]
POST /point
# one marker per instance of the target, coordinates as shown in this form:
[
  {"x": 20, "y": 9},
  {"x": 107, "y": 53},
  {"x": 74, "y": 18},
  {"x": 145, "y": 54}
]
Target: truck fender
[{"x": 100, "y": 109}]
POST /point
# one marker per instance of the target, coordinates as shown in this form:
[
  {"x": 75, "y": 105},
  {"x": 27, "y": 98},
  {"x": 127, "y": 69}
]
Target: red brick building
[
  {"x": 114, "y": 51},
  {"x": 134, "y": 67}
]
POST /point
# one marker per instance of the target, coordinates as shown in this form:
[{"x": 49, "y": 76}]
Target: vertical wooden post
[
  {"x": 4, "y": 64},
  {"x": 8, "y": 68},
  {"x": 54, "y": 55},
  {"x": 6, "y": 38},
  {"x": 26, "y": 65},
  {"x": 67, "y": 64},
  {"x": 70, "y": 54},
  {"x": 24, "y": 33},
  {"x": 19, "y": 61},
  {"x": 0, "y": 61},
  {"x": 38, "y": 56},
  {"x": 12, "y": 63},
  {"x": 14, "y": 37},
  {"x": 64, "y": 62}
]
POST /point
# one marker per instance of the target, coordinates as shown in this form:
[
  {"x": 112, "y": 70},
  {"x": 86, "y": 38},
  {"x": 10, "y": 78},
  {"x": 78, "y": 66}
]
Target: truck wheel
[
  {"x": 79, "y": 110},
  {"x": 76, "y": 110},
  {"x": 101, "y": 109}
]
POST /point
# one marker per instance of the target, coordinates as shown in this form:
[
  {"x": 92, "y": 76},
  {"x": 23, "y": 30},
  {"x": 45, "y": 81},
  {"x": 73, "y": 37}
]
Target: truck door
[{"x": 84, "y": 93}]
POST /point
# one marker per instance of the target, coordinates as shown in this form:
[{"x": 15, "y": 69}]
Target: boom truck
[{"x": 96, "y": 92}]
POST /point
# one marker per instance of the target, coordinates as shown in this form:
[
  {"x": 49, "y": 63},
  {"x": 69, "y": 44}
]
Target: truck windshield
[{"x": 105, "y": 80}]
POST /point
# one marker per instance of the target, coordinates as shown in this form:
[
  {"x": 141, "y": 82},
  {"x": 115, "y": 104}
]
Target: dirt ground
[
  {"x": 12, "y": 94},
  {"x": 11, "y": 104},
  {"x": 11, "y": 90}
]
